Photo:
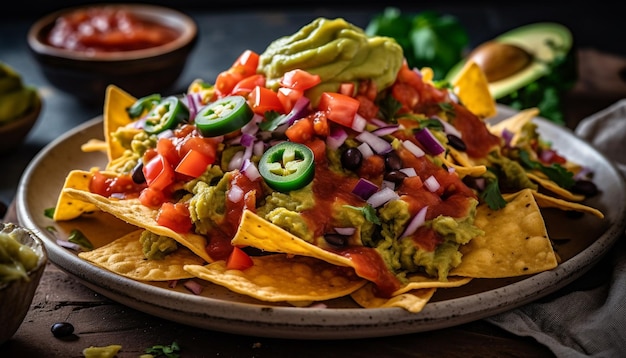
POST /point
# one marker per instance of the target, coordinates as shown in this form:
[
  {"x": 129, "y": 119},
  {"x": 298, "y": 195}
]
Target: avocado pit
[{"x": 500, "y": 60}]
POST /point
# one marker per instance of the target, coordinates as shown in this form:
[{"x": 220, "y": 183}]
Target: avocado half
[{"x": 545, "y": 41}]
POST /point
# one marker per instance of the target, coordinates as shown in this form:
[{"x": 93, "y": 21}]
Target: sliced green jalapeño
[
  {"x": 143, "y": 104},
  {"x": 223, "y": 116},
  {"x": 166, "y": 115},
  {"x": 287, "y": 166}
]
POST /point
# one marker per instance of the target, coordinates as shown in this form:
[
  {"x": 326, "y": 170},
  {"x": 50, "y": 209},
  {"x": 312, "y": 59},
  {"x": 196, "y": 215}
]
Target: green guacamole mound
[
  {"x": 335, "y": 50},
  {"x": 156, "y": 247},
  {"x": 16, "y": 259}
]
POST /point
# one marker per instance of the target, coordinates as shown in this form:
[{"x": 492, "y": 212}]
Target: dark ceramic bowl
[
  {"x": 139, "y": 72},
  {"x": 15, "y": 131}
]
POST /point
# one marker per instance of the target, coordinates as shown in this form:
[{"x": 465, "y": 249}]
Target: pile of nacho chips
[{"x": 476, "y": 194}]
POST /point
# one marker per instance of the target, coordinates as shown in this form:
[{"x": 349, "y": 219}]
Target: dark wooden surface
[{"x": 99, "y": 321}]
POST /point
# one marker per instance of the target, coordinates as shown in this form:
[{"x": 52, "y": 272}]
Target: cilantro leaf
[
  {"x": 164, "y": 350},
  {"x": 492, "y": 196},
  {"x": 555, "y": 172},
  {"x": 368, "y": 212},
  {"x": 77, "y": 237}
]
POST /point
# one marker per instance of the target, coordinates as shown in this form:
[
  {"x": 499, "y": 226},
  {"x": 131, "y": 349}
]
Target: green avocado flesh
[{"x": 545, "y": 42}]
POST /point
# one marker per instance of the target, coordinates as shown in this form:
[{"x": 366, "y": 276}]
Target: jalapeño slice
[
  {"x": 287, "y": 166},
  {"x": 166, "y": 115},
  {"x": 223, "y": 116}
]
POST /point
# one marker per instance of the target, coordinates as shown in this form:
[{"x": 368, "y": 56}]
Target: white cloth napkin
[{"x": 588, "y": 317}]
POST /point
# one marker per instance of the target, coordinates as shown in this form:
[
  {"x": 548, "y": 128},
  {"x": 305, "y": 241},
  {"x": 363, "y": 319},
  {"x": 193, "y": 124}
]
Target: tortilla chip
[
  {"x": 124, "y": 256},
  {"x": 115, "y": 116},
  {"x": 133, "y": 212},
  {"x": 515, "y": 241},
  {"x": 553, "y": 187},
  {"x": 94, "y": 145},
  {"x": 546, "y": 201},
  {"x": 413, "y": 301},
  {"x": 472, "y": 88},
  {"x": 67, "y": 207},
  {"x": 280, "y": 278},
  {"x": 514, "y": 124},
  {"x": 462, "y": 165}
]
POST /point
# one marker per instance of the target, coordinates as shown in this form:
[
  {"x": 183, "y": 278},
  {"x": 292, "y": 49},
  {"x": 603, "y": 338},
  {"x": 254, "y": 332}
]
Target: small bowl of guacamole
[{"x": 23, "y": 259}]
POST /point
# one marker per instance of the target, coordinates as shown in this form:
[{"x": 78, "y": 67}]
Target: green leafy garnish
[
  {"x": 432, "y": 123},
  {"x": 388, "y": 108},
  {"x": 428, "y": 38},
  {"x": 49, "y": 212},
  {"x": 273, "y": 120},
  {"x": 492, "y": 196},
  {"x": 164, "y": 350},
  {"x": 555, "y": 172},
  {"x": 77, "y": 237},
  {"x": 368, "y": 212}
]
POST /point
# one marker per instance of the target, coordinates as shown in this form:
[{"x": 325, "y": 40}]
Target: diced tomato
[
  {"x": 318, "y": 146},
  {"x": 218, "y": 248},
  {"x": 107, "y": 185},
  {"x": 206, "y": 146},
  {"x": 238, "y": 260},
  {"x": 166, "y": 148},
  {"x": 152, "y": 198},
  {"x": 158, "y": 173},
  {"x": 226, "y": 82},
  {"x": 368, "y": 89},
  {"x": 301, "y": 131},
  {"x": 247, "y": 84},
  {"x": 263, "y": 99},
  {"x": 367, "y": 108},
  {"x": 247, "y": 63},
  {"x": 175, "y": 216},
  {"x": 194, "y": 163},
  {"x": 339, "y": 107},
  {"x": 288, "y": 97},
  {"x": 300, "y": 80},
  {"x": 320, "y": 124}
]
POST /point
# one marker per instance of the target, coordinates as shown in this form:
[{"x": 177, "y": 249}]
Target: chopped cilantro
[
  {"x": 368, "y": 212},
  {"x": 388, "y": 108},
  {"x": 49, "y": 212},
  {"x": 164, "y": 350},
  {"x": 492, "y": 196},
  {"x": 555, "y": 172},
  {"x": 77, "y": 237}
]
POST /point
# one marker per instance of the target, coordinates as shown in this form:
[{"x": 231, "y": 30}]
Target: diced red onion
[
  {"x": 432, "y": 184},
  {"x": 546, "y": 155},
  {"x": 480, "y": 183},
  {"x": 250, "y": 128},
  {"x": 378, "y": 144},
  {"x": 247, "y": 140},
  {"x": 413, "y": 148},
  {"x": 318, "y": 305},
  {"x": 418, "y": 220},
  {"x": 386, "y": 130},
  {"x": 388, "y": 184},
  {"x": 236, "y": 161},
  {"x": 583, "y": 173},
  {"x": 259, "y": 148},
  {"x": 336, "y": 138},
  {"x": 193, "y": 286},
  {"x": 409, "y": 171},
  {"x": 235, "y": 193},
  {"x": 507, "y": 135},
  {"x": 69, "y": 245},
  {"x": 364, "y": 188},
  {"x": 192, "y": 100},
  {"x": 359, "y": 123},
  {"x": 379, "y": 122},
  {"x": 347, "y": 231},
  {"x": 449, "y": 128},
  {"x": 381, "y": 197},
  {"x": 451, "y": 170},
  {"x": 168, "y": 133},
  {"x": 428, "y": 140},
  {"x": 172, "y": 283},
  {"x": 250, "y": 170},
  {"x": 299, "y": 110},
  {"x": 365, "y": 150}
]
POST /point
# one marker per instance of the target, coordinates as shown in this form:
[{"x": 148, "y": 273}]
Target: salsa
[{"x": 107, "y": 29}]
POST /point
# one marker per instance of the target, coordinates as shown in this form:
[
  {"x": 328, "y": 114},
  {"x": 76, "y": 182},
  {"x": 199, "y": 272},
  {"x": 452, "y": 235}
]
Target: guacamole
[
  {"x": 335, "y": 50},
  {"x": 156, "y": 247},
  {"x": 16, "y": 259}
]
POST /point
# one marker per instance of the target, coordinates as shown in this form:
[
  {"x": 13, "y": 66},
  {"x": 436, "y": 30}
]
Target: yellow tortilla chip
[
  {"x": 514, "y": 124},
  {"x": 133, "y": 212},
  {"x": 462, "y": 164},
  {"x": 67, "y": 207},
  {"x": 278, "y": 278},
  {"x": 546, "y": 201},
  {"x": 413, "y": 301},
  {"x": 472, "y": 88},
  {"x": 553, "y": 187},
  {"x": 515, "y": 242},
  {"x": 124, "y": 256},
  {"x": 115, "y": 116},
  {"x": 94, "y": 145}
]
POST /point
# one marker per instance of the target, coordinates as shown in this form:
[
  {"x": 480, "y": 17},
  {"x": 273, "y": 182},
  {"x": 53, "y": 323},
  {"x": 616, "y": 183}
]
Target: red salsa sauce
[{"x": 106, "y": 29}]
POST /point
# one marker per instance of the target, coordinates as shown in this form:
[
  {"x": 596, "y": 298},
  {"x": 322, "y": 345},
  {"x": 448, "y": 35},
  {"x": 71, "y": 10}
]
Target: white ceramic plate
[{"x": 580, "y": 242}]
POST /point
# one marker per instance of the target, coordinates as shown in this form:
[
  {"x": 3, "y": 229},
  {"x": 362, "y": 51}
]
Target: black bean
[
  {"x": 351, "y": 158},
  {"x": 395, "y": 176},
  {"x": 62, "y": 329},
  {"x": 393, "y": 161},
  {"x": 584, "y": 187},
  {"x": 137, "y": 173},
  {"x": 456, "y": 142},
  {"x": 336, "y": 239}
]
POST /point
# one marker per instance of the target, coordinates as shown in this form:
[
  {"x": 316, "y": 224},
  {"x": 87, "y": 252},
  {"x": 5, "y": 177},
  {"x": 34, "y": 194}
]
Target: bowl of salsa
[{"x": 143, "y": 48}]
